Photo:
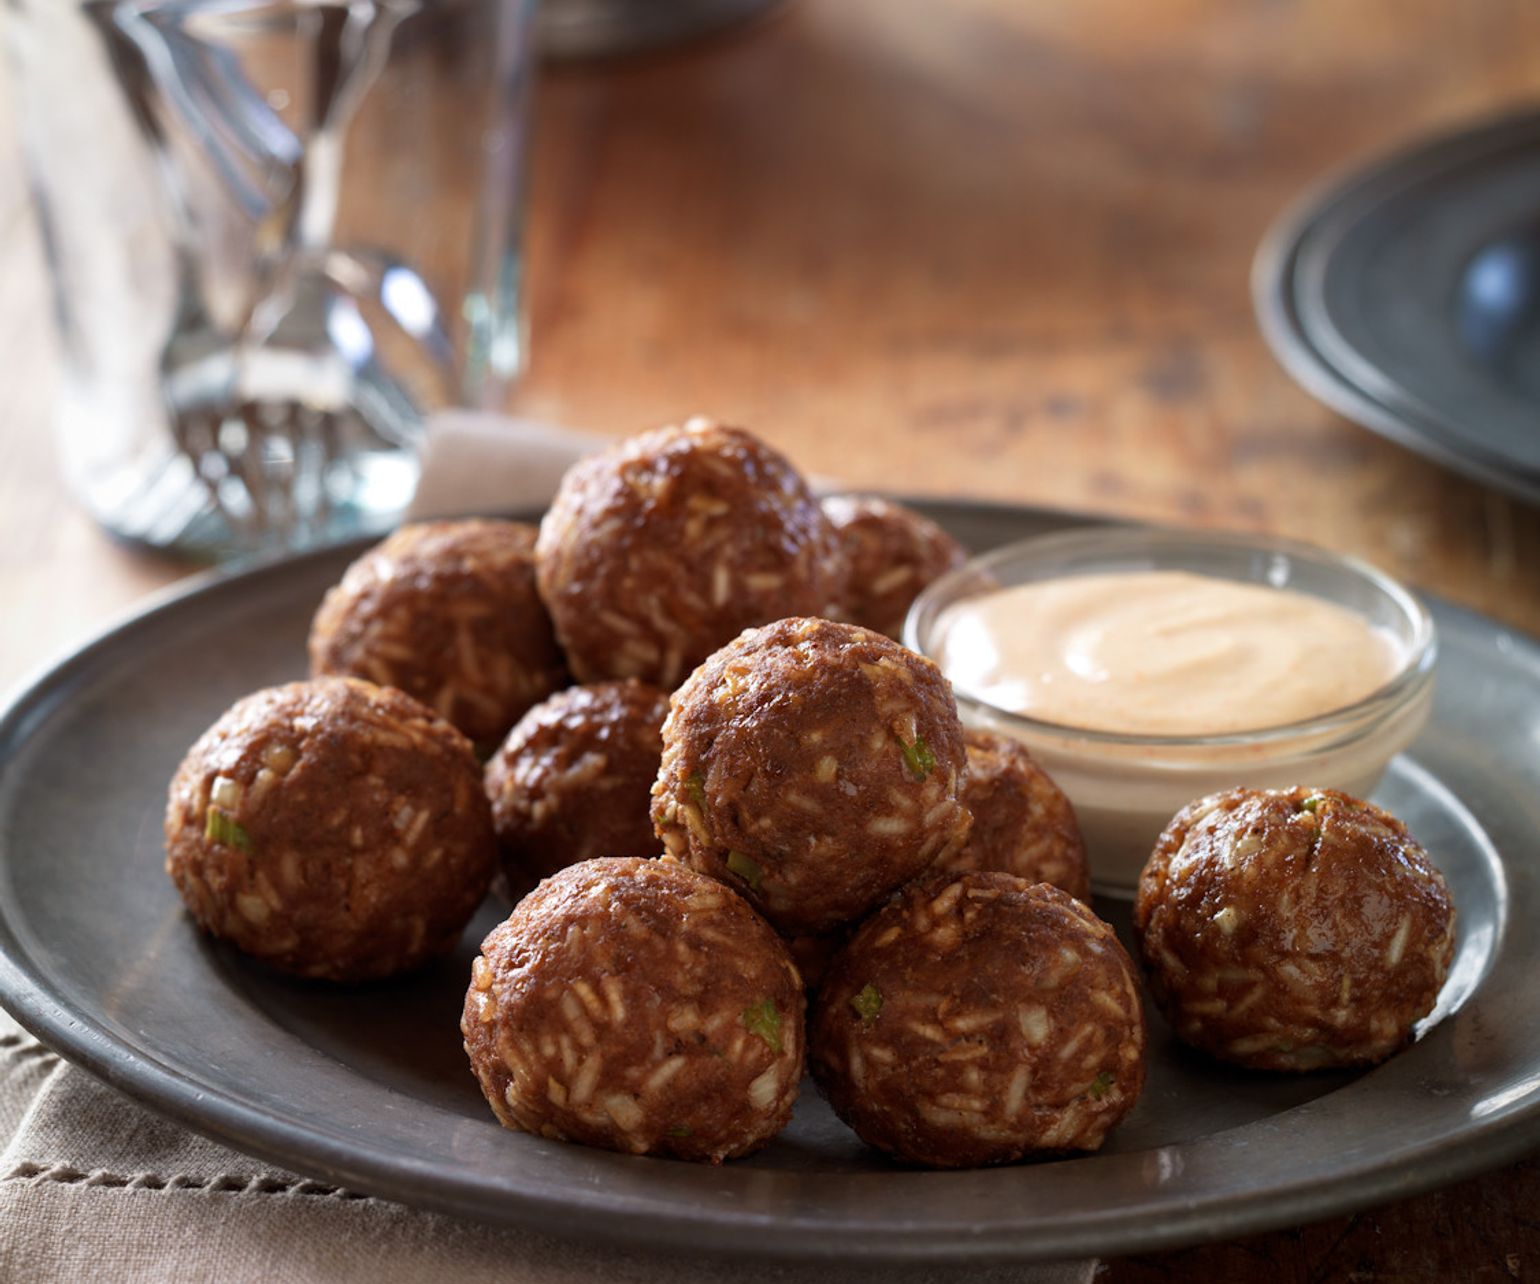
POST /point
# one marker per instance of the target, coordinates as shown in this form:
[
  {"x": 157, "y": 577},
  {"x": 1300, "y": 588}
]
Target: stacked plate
[{"x": 1407, "y": 298}]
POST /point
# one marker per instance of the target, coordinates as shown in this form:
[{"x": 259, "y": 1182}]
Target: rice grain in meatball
[
  {"x": 449, "y": 613},
  {"x": 573, "y": 781},
  {"x": 331, "y": 829},
  {"x": 665, "y": 547},
  {"x": 892, "y": 553},
  {"x": 978, "y": 1018},
  {"x": 637, "y": 1006},
  {"x": 1291, "y": 929},
  {"x": 814, "y": 767},
  {"x": 1022, "y": 822}
]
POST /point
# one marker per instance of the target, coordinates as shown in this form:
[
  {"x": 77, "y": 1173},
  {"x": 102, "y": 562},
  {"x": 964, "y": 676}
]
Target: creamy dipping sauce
[{"x": 1163, "y": 653}]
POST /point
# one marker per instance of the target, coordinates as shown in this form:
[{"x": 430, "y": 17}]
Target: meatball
[
  {"x": 574, "y": 778},
  {"x": 1290, "y": 929},
  {"x": 447, "y": 612},
  {"x": 814, "y": 767},
  {"x": 891, "y": 554},
  {"x": 1022, "y": 822},
  {"x": 978, "y": 1018},
  {"x": 331, "y": 829},
  {"x": 638, "y": 1006},
  {"x": 666, "y": 546}
]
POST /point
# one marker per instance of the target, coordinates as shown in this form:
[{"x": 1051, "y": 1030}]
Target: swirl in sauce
[{"x": 1163, "y": 653}]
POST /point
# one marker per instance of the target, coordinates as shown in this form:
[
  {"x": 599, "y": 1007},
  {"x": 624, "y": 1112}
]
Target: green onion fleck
[
  {"x": 1312, "y": 803},
  {"x": 695, "y": 786},
  {"x": 746, "y": 869},
  {"x": 679, "y": 1130},
  {"x": 762, "y": 1019},
  {"x": 1100, "y": 1084},
  {"x": 917, "y": 756},
  {"x": 867, "y": 1004},
  {"x": 222, "y": 827}
]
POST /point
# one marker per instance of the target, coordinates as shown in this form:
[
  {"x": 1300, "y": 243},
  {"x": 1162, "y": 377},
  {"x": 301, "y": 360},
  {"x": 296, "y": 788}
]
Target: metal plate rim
[{"x": 1273, "y": 286}]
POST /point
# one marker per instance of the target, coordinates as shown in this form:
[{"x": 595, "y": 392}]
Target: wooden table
[{"x": 992, "y": 247}]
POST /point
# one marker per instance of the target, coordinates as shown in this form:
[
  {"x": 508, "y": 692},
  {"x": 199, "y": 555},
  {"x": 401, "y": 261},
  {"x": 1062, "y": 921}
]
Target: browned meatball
[
  {"x": 638, "y": 1006},
  {"x": 574, "y": 778},
  {"x": 666, "y": 546},
  {"x": 1022, "y": 822},
  {"x": 331, "y": 829},
  {"x": 892, "y": 553},
  {"x": 815, "y": 767},
  {"x": 978, "y": 1018},
  {"x": 1290, "y": 929},
  {"x": 447, "y": 612}
]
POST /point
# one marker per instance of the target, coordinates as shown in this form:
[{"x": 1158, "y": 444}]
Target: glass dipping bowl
[{"x": 1125, "y": 787}]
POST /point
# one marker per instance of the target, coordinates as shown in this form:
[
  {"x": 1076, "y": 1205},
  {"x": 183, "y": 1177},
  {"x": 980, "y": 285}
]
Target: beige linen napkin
[{"x": 94, "y": 1187}]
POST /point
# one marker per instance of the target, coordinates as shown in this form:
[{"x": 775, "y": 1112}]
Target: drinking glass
[{"x": 280, "y": 234}]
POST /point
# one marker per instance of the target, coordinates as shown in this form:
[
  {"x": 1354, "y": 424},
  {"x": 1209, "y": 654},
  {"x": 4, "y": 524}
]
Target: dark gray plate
[
  {"x": 368, "y": 1087},
  {"x": 1407, "y": 297},
  {"x": 572, "y": 29}
]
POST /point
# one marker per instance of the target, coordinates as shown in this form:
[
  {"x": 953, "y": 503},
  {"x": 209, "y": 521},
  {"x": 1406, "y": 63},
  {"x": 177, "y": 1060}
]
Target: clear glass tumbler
[{"x": 280, "y": 233}]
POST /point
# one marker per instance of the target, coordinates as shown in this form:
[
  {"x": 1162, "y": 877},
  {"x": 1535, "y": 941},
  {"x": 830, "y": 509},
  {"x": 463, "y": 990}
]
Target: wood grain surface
[{"x": 985, "y": 247}]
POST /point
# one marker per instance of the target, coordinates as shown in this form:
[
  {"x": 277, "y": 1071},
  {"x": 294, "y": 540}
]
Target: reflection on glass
[{"x": 281, "y": 232}]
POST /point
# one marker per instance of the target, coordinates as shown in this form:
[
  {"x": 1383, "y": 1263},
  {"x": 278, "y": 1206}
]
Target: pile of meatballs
[{"x": 746, "y": 835}]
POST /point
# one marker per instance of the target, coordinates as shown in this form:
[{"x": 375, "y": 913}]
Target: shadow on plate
[{"x": 405, "y": 1035}]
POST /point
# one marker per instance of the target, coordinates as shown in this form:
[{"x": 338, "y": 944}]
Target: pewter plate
[
  {"x": 1406, "y": 296},
  {"x": 367, "y": 1087}
]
